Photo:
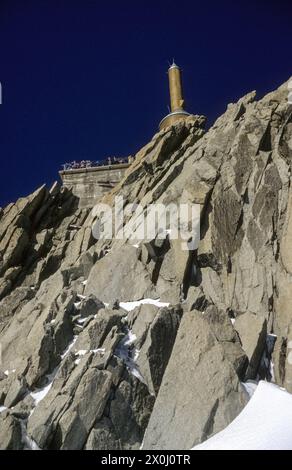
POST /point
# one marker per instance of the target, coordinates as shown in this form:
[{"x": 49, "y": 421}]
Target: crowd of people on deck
[{"x": 91, "y": 164}]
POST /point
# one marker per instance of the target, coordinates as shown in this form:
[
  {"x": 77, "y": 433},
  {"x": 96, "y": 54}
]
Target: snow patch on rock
[
  {"x": 264, "y": 424},
  {"x": 128, "y": 306}
]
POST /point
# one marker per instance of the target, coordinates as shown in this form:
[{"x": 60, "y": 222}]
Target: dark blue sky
[{"x": 87, "y": 79}]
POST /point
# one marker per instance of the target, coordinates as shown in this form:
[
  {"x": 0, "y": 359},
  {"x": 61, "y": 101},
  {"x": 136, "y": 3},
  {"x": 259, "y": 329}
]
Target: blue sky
[{"x": 87, "y": 79}]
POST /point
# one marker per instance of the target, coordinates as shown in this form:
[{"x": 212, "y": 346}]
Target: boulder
[
  {"x": 139, "y": 321},
  {"x": 129, "y": 411},
  {"x": 156, "y": 349},
  {"x": 225, "y": 333},
  {"x": 119, "y": 275},
  {"x": 12, "y": 303},
  {"x": 200, "y": 392},
  {"x": 23, "y": 408},
  {"x": 90, "y": 306},
  {"x": 252, "y": 331},
  {"x": 15, "y": 392},
  {"x": 87, "y": 406},
  {"x": 10, "y": 432},
  {"x": 42, "y": 423},
  {"x": 102, "y": 437},
  {"x": 97, "y": 330}
]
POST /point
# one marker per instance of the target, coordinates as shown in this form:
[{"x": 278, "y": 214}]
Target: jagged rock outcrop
[
  {"x": 78, "y": 369},
  {"x": 155, "y": 339},
  {"x": 10, "y": 432},
  {"x": 200, "y": 391},
  {"x": 252, "y": 330}
]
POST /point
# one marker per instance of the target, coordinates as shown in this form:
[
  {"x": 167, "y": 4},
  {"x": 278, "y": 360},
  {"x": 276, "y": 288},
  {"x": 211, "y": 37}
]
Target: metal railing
[{"x": 92, "y": 164}]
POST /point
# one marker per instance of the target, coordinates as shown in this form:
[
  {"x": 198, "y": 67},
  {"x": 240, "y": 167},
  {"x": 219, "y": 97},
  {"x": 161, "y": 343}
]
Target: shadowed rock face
[
  {"x": 83, "y": 372},
  {"x": 200, "y": 390}
]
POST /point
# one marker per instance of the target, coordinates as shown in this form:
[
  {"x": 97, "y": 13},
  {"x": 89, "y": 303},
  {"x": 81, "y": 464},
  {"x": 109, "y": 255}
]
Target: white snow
[
  {"x": 124, "y": 349},
  {"x": 81, "y": 297},
  {"x": 250, "y": 387},
  {"x": 7, "y": 372},
  {"x": 81, "y": 320},
  {"x": 100, "y": 350},
  {"x": 84, "y": 283},
  {"x": 81, "y": 352},
  {"x": 40, "y": 393},
  {"x": 29, "y": 444},
  {"x": 128, "y": 306},
  {"x": 129, "y": 355},
  {"x": 272, "y": 371},
  {"x": 136, "y": 354},
  {"x": 264, "y": 424},
  {"x": 2, "y": 408},
  {"x": 130, "y": 338},
  {"x": 69, "y": 347},
  {"x": 77, "y": 304}
]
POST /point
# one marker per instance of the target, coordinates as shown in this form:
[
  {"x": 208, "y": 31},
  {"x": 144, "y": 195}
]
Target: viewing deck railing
[{"x": 84, "y": 164}]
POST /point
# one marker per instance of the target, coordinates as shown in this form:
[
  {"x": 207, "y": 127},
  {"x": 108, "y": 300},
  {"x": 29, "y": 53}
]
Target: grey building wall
[{"x": 89, "y": 184}]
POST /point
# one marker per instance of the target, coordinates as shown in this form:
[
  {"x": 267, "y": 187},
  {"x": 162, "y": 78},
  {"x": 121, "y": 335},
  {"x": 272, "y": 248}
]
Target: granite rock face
[
  {"x": 82, "y": 367},
  {"x": 200, "y": 390}
]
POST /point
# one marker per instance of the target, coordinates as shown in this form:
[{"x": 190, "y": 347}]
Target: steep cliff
[{"x": 86, "y": 364}]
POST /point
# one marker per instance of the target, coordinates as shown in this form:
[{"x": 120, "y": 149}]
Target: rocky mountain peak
[{"x": 108, "y": 343}]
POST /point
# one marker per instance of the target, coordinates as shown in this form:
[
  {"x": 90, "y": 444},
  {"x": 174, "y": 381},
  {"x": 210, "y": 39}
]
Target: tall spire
[
  {"x": 177, "y": 102},
  {"x": 175, "y": 88}
]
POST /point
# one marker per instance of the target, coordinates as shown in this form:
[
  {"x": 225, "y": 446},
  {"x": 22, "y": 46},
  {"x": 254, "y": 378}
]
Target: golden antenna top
[{"x": 177, "y": 103}]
